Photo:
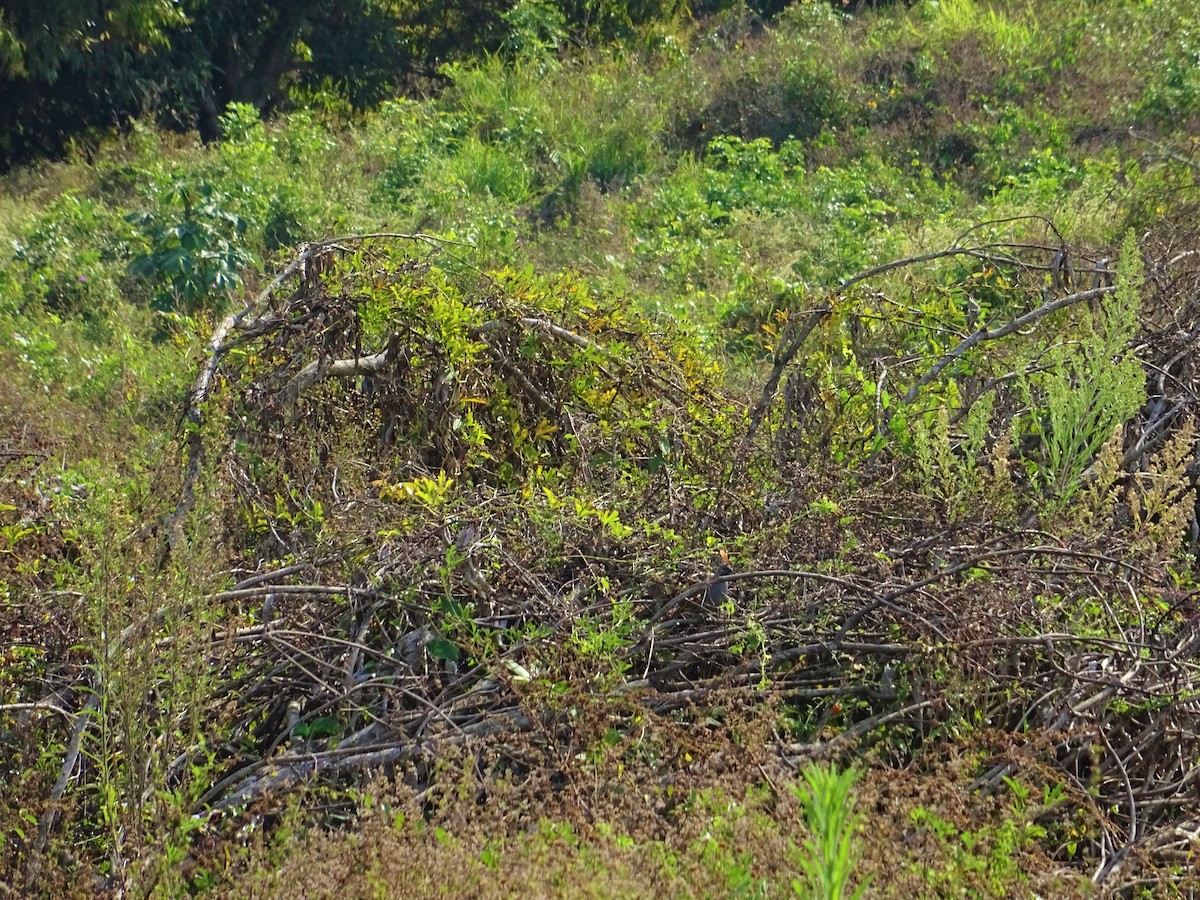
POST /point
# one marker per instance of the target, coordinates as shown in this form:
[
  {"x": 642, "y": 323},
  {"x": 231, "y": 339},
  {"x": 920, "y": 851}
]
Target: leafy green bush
[
  {"x": 536, "y": 29},
  {"x": 199, "y": 256},
  {"x": 687, "y": 229},
  {"x": 856, "y": 208},
  {"x": 1173, "y": 91},
  {"x": 1022, "y": 146},
  {"x": 403, "y": 137},
  {"x": 69, "y": 260},
  {"x": 266, "y": 177}
]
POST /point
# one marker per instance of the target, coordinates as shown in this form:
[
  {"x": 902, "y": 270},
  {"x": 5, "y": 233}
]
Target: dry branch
[
  {"x": 1008, "y": 328},
  {"x": 318, "y": 370},
  {"x": 218, "y": 345},
  {"x": 785, "y": 356}
]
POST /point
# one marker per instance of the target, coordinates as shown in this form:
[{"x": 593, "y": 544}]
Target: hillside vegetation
[{"x": 717, "y": 456}]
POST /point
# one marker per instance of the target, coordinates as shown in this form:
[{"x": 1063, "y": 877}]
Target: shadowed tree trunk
[{"x": 252, "y": 65}]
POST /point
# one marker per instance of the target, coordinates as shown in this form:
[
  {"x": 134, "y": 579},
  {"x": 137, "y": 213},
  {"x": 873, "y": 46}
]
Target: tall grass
[{"x": 829, "y": 853}]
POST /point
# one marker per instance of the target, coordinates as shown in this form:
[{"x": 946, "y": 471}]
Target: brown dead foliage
[{"x": 510, "y": 669}]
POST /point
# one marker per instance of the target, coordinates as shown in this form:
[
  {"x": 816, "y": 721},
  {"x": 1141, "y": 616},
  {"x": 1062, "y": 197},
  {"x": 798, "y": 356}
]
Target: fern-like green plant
[
  {"x": 1091, "y": 386},
  {"x": 1102, "y": 493},
  {"x": 1161, "y": 499},
  {"x": 829, "y": 854},
  {"x": 948, "y": 466}
]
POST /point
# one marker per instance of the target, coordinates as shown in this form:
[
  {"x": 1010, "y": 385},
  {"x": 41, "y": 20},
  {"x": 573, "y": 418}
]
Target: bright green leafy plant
[
  {"x": 198, "y": 257},
  {"x": 829, "y": 853},
  {"x": 1090, "y": 387}
]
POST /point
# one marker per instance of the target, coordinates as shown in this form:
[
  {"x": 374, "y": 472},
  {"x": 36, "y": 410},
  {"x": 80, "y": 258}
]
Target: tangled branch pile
[{"x": 462, "y": 510}]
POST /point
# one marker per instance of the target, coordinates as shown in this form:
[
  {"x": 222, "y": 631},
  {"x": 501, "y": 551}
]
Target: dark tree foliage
[
  {"x": 69, "y": 67},
  {"x": 72, "y": 69},
  {"x": 253, "y": 51},
  {"x": 39, "y": 38}
]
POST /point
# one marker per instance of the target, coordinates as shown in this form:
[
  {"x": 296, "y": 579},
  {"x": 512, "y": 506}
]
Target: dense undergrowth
[{"x": 365, "y": 478}]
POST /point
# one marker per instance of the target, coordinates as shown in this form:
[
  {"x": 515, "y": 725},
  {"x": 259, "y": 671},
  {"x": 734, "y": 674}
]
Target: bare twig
[
  {"x": 1008, "y": 328},
  {"x": 784, "y": 356},
  {"x": 193, "y": 413},
  {"x": 82, "y": 719}
]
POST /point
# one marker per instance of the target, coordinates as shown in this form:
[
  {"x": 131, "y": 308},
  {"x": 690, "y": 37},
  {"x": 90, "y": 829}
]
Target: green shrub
[
  {"x": 403, "y": 137},
  {"x": 1090, "y": 387},
  {"x": 536, "y": 29},
  {"x": 1173, "y": 90},
  {"x": 196, "y": 257},
  {"x": 829, "y": 852},
  {"x": 857, "y": 207},
  {"x": 68, "y": 261}
]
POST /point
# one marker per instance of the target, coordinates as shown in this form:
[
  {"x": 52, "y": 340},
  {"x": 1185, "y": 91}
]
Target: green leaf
[
  {"x": 323, "y": 726},
  {"x": 440, "y": 648}
]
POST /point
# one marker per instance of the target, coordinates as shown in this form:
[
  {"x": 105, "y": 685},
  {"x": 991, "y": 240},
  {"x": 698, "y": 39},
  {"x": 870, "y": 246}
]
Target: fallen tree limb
[
  {"x": 202, "y": 387},
  {"x": 287, "y": 771},
  {"x": 318, "y": 370},
  {"x": 287, "y": 774}
]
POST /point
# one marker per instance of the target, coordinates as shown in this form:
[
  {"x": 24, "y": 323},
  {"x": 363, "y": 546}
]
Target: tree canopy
[{"x": 69, "y": 68}]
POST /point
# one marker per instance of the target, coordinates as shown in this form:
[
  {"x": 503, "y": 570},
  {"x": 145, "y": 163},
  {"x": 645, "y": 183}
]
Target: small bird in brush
[{"x": 717, "y": 591}]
